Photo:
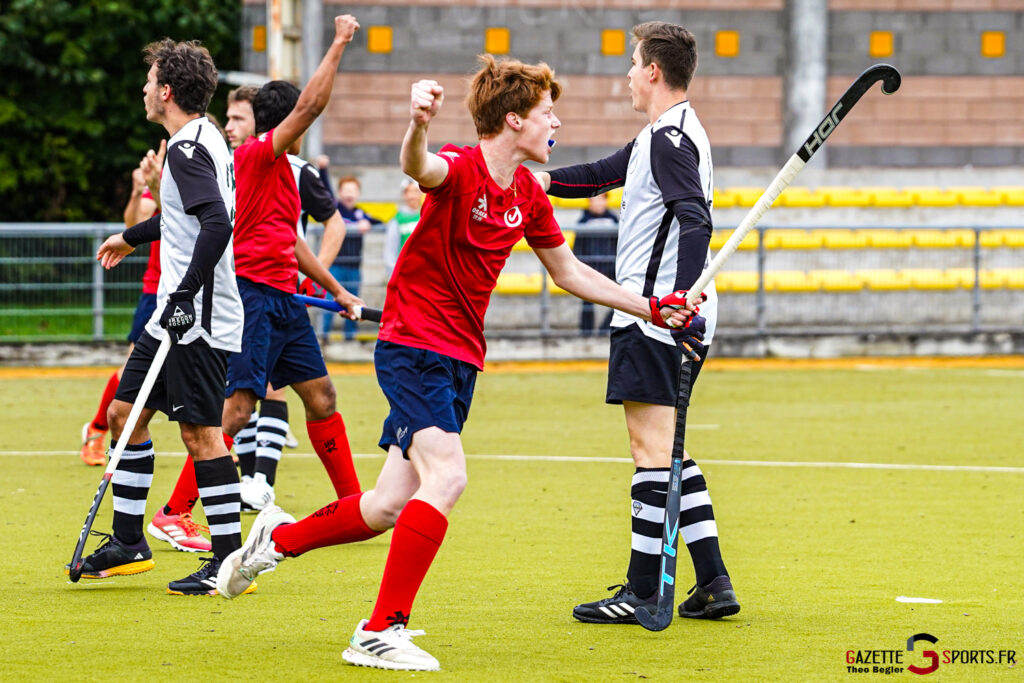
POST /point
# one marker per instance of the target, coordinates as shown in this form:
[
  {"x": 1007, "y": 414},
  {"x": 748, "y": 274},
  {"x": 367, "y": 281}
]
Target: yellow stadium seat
[
  {"x": 889, "y": 197},
  {"x": 723, "y": 200},
  {"x": 720, "y": 237},
  {"x": 1012, "y": 195},
  {"x": 382, "y": 211},
  {"x": 884, "y": 279},
  {"x": 995, "y": 278},
  {"x": 1014, "y": 278},
  {"x": 835, "y": 280},
  {"x": 963, "y": 277},
  {"x": 993, "y": 238},
  {"x": 888, "y": 239},
  {"x": 518, "y": 283},
  {"x": 736, "y": 281},
  {"x": 745, "y": 196},
  {"x": 930, "y": 278},
  {"x": 841, "y": 238},
  {"x": 800, "y": 198},
  {"x": 977, "y": 196},
  {"x": 932, "y": 196},
  {"x": 569, "y": 202},
  {"x": 793, "y": 239},
  {"x": 789, "y": 281},
  {"x": 935, "y": 239},
  {"x": 845, "y": 196},
  {"x": 1013, "y": 238}
]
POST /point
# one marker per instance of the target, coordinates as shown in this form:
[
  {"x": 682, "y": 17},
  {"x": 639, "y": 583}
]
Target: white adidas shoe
[
  {"x": 391, "y": 648},
  {"x": 289, "y": 439},
  {"x": 256, "y": 492},
  {"x": 256, "y": 556}
]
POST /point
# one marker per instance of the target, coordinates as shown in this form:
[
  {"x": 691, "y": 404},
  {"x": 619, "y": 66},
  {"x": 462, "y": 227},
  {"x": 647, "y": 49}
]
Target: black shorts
[
  {"x": 190, "y": 386},
  {"x": 644, "y": 370}
]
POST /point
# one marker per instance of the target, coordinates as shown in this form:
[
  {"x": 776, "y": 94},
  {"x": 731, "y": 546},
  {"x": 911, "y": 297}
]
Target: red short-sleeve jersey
[
  {"x": 151, "y": 278},
  {"x": 266, "y": 212},
  {"x": 438, "y": 293}
]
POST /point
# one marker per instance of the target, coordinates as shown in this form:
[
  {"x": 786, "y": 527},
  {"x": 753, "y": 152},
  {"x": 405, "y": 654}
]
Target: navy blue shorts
[
  {"x": 424, "y": 389},
  {"x": 278, "y": 342},
  {"x": 143, "y": 312}
]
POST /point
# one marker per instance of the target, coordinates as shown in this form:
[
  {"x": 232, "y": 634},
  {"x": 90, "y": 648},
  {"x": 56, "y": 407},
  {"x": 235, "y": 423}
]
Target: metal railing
[{"x": 53, "y": 289}]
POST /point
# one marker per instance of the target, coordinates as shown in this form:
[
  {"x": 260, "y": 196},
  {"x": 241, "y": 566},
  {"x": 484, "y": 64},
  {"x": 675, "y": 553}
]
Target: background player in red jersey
[
  {"x": 279, "y": 345},
  {"x": 480, "y": 202}
]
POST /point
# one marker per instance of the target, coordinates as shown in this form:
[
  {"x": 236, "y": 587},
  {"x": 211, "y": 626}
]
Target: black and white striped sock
[
  {"x": 697, "y": 525},
  {"x": 270, "y": 436},
  {"x": 245, "y": 446},
  {"x": 219, "y": 490},
  {"x": 649, "y": 492},
  {"x": 129, "y": 488}
]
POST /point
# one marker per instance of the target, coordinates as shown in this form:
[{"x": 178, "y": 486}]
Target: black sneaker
[
  {"x": 115, "y": 558},
  {"x": 713, "y": 601},
  {"x": 203, "y": 581},
  {"x": 617, "y": 609}
]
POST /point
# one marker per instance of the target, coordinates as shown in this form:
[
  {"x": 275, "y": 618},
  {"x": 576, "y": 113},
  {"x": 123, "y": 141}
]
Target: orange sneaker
[
  {"x": 93, "y": 452},
  {"x": 180, "y": 531}
]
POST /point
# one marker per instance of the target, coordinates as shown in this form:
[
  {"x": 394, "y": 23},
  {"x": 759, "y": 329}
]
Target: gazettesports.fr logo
[{"x": 922, "y": 659}]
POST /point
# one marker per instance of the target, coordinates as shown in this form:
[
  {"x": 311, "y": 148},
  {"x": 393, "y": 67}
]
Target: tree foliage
[{"x": 71, "y": 113}]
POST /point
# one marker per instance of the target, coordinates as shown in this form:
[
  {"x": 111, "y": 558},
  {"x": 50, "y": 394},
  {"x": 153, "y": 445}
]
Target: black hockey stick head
[
  {"x": 75, "y": 570},
  {"x": 658, "y": 620},
  {"x": 885, "y": 73}
]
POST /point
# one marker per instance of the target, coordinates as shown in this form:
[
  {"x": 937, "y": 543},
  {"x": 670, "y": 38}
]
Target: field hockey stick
[
  {"x": 362, "y": 312},
  {"x": 75, "y": 567},
  {"x": 659, "y": 618}
]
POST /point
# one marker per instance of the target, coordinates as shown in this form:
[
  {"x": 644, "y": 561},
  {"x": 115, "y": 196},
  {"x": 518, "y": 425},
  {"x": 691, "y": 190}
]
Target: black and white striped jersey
[
  {"x": 198, "y": 169},
  {"x": 669, "y": 161},
  {"x": 314, "y": 198},
  {"x": 661, "y": 168}
]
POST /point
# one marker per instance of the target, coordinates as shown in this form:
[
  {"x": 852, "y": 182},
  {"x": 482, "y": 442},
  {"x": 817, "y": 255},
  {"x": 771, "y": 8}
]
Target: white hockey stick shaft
[{"x": 140, "y": 402}]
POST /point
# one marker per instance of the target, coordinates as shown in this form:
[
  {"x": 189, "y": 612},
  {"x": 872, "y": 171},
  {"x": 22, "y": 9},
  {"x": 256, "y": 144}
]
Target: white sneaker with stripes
[{"x": 391, "y": 648}]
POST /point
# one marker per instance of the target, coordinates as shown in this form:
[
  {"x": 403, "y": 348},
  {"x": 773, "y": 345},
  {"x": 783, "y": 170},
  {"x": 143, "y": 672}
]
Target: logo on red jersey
[
  {"x": 480, "y": 210},
  {"x": 513, "y": 217}
]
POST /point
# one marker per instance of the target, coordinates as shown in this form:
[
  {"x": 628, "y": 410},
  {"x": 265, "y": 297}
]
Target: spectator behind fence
[
  {"x": 401, "y": 226},
  {"x": 346, "y": 266},
  {"x": 597, "y": 250}
]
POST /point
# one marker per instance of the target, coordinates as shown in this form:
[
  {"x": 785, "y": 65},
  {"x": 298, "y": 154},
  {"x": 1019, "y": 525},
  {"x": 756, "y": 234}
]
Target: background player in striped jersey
[
  {"x": 665, "y": 229},
  {"x": 198, "y": 307},
  {"x": 480, "y": 202}
]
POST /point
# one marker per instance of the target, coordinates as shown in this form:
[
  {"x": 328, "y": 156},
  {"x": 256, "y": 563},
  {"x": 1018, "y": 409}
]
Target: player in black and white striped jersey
[
  {"x": 664, "y": 234},
  {"x": 198, "y": 306}
]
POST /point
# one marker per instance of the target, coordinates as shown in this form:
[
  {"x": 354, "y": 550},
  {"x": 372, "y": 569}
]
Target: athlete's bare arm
[
  {"x": 426, "y": 168},
  {"x": 313, "y": 269},
  {"x": 317, "y": 93},
  {"x": 579, "y": 279},
  {"x": 334, "y": 236}
]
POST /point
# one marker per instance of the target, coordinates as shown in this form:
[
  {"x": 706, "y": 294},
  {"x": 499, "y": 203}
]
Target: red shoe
[
  {"x": 180, "y": 531},
  {"x": 93, "y": 452}
]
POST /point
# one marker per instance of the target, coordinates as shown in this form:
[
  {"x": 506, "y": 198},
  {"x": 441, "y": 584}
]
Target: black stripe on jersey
[
  {"x": 657, "y": 252},
  {"x": 207, "y": 322},
  {"x": 199, "y": 131}
]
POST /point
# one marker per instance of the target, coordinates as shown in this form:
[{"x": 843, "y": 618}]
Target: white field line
[{"x": 703, "y": 461}]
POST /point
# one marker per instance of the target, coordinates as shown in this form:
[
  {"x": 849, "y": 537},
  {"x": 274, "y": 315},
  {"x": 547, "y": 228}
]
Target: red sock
[
  {"x": 186, "y": 491},
  {"x": 331, "y": 443},
  {"x": 414, "y": 543},
  {"x": 334, "y": 524},
  {"x": 100, "y": 421},
  {"x": 228, "y": 440}
]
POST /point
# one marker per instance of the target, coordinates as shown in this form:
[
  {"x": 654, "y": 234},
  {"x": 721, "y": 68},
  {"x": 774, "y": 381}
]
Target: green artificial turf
[{"x": 818, "y": 554}]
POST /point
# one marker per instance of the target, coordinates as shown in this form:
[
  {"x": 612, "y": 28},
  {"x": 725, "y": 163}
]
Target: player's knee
[
  {"x": 323, "y": 403},
  {"x": 117, "y": 415},
  {"x": 448, "y": 486},
  {"x": 235, "y": 417}
]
